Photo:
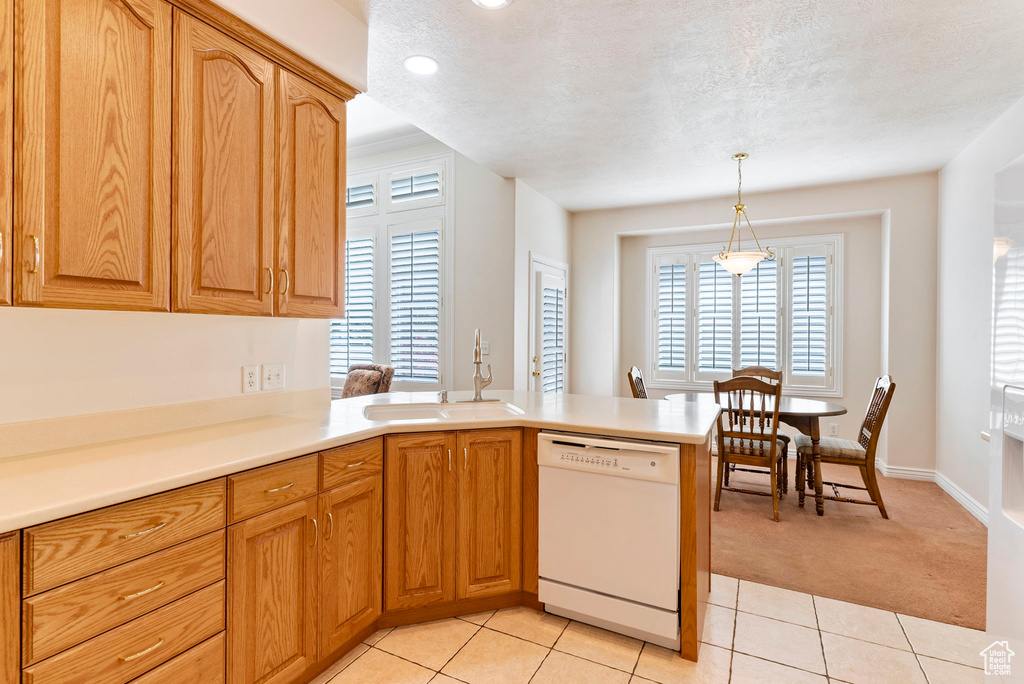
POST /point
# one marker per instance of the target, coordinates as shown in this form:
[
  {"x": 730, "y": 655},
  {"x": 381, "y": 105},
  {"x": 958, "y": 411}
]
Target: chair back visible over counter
[
  {"x": 636, "y": 383},
  {"x": 773, "y": 376},
  {"x": 750, "y": 414},
  {"x": 874, "y": 417},
  {"x": 367, "y": 378}
]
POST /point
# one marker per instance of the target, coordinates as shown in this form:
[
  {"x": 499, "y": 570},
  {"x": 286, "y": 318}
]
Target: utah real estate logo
[{"x": 997, "y": 658}]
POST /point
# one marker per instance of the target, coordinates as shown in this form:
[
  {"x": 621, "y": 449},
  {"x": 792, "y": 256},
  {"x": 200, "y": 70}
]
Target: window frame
[
  {"x": 377, "y": 225},
  {"x": 695, "y": 379}
]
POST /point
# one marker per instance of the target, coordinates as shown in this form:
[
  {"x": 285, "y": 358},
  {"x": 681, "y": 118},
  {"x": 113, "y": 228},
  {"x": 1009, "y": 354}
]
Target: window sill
[{"x": 809, "y": 392}]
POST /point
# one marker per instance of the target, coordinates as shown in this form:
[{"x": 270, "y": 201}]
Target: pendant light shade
[{"x": 737, "y": 261}]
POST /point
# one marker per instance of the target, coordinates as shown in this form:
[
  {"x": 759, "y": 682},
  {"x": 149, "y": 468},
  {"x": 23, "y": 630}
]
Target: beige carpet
[{"x": 927, "y": 560}]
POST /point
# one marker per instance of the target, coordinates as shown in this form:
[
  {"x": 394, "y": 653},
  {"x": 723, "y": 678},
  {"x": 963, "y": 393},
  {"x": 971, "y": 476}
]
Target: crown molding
[{"x": 398, "y": 142}]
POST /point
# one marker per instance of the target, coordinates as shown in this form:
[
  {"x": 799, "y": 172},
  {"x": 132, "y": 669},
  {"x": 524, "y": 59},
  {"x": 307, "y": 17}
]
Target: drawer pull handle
[
  {"x": 127, "y": 659},
  {"x": 278, "y": 489},
  {"x": 137, "y": 594},
  {"x": 355, "y": 465},
  {"x": 139, "y": 534},
  {"x": 330, "y": 533}
]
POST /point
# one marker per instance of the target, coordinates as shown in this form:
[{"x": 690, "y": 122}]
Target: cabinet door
[
  {"x": 490, "y": 512},
  {"x": 311, "y": 199},
  {"x": 272, "y": 571},
  {"x": 6, "y": 146},
  {"x": 93, "y": 135},
  {"x": 350, "y": 560},
  {"x": 224, "y": 173},
  {"x": 10, "y": 608},
  {"x": 419, "y": 519}
]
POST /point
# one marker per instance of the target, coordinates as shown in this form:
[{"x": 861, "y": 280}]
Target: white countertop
[{"x": 37, "y": 488}]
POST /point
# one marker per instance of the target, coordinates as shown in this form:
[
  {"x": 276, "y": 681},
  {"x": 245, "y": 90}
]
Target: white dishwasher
[{"x": 609, "y": 533}]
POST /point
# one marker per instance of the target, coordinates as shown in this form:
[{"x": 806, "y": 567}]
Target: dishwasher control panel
[{"x": 645, "y": 461}]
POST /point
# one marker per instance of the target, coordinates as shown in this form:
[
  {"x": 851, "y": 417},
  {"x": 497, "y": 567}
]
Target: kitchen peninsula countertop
[{"x": 37, "y": 488}]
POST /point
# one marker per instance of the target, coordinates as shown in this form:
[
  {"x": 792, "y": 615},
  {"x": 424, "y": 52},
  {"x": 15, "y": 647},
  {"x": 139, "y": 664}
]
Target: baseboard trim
[
  {"x": 905, "y": 473},
  {"x": 972, "y": 505}
]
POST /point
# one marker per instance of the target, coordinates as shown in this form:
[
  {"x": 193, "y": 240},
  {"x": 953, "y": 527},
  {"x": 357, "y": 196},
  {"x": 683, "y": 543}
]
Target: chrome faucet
[{"x": 479, "y": 381}]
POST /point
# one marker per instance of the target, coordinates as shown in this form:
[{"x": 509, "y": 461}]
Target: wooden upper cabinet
[
  {"x": 6, "y": 147},
  {"x": 311, "y": 223},
  {"x": 224, "y": 173},
  {"x": 350, "y": 561},
  {"x": 93, "y": 151},
  {"x": 272, "y": 577},
  {"x": 419, "y": 519},
  {"x": 489, "y": 555}
]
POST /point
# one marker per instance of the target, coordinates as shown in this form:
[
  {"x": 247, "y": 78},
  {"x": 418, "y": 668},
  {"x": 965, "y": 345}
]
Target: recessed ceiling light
[
  {"x": 492, "y": 4},
  {"x": 421, "y": 64}
]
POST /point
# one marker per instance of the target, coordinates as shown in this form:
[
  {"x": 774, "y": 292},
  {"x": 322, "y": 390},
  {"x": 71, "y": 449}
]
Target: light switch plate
[
  {"x": 250, "y": 379},
  {"x": 273, "y": 376},
  {"x": 485, "y": 348}
]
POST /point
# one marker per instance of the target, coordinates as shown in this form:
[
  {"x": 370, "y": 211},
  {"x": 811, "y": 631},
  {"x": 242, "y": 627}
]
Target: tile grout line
[
  {"x": 821, "y": 639},
  {"x": 913, "y": 649},
  {"x": 551, "y": 648},
  {"x": 459, "y": 649},
  {"x": 361, "y": 643}
]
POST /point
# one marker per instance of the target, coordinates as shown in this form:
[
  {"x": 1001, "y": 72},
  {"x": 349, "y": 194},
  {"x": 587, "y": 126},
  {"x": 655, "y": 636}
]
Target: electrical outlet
[
  {"x": 833, "y": 429},
  {"x": 250, "y": 379},
  {"x": 273, "y": 376},
  {"x": 485, "y": 348}
]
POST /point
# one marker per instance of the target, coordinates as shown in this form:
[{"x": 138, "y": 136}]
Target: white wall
[
  {"x": 56, "y": 363},
  {"x": 484, "y": 234},
  {"x": 541, "y": 229},
  {"x": 966, "y": 225},
  {"x": 862, "y": 320},
  {"x": 319, "y": 30},
  {"x": 907, "y": 206}
]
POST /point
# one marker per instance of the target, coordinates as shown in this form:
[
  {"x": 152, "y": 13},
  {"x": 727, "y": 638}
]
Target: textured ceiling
[{"x": 599, "y": 103}]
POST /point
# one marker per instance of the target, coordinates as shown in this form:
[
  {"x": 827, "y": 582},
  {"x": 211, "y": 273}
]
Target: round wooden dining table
[{"x": 803, "y": 414}]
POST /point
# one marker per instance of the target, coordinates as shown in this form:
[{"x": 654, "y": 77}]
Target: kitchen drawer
[
  {"x": 351, "y": 462},
  {"x": 203, "y": 664},
  {"x": 123, "y": 653},
  {"x": 60, "y": 552},
  {"x": 68, "y": 615},
  {"x": 264, "y": 489}
]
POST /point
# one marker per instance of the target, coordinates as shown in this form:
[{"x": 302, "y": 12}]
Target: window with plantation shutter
[
  {"x": 671, "y": 315},
  {"x": 783, "y": 314},
  {"x": 714, "y": 318},
  {"x": 352, "y": 337},
  {"x": 553, "y": 338},
  {"x": 759, "y": 316},
  {"x": 415, "y": 188},
  {"x": 415, "y": 303}
]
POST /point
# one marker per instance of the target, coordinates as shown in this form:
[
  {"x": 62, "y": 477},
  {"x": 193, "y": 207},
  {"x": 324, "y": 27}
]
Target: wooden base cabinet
[
  {"x": 489, "y": 558},
  {"x": 350, "y": 561},
  {"x": 453, "y": 516},
  {"x": 272, "y": 585}
]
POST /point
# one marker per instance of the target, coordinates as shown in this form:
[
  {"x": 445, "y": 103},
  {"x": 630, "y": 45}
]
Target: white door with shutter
[{"x": 548, "y": 329}]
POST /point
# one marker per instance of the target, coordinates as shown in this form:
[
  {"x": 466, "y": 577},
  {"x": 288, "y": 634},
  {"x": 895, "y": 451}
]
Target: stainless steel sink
[{"x": 468, "y": 411}]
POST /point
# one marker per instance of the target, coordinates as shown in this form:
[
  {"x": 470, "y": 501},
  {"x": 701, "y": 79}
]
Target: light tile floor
[{"x": 754, "y": 634}]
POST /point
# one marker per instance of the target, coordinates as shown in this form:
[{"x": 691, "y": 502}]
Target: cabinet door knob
[{"x": 287, "y": 281}]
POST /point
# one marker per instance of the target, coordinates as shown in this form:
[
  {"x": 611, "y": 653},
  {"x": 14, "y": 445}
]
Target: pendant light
[{"x": 739, "y": 262}]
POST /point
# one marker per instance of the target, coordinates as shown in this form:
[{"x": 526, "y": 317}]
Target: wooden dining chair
[
  {"x": 636, "y": 383},
  {"x": 773, "y": 377},
  {"x": 859, "y": 453},
  {"x": 748, "y": 428}
]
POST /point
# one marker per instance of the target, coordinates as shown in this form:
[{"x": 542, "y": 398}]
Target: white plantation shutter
[
  {"x": 553, "y": 338},
  {"x": 810, "y": 315},
  {"x": 415, "y": 299},
  {"x": 360, "y": 197},
  {"x": 416, "y": 188},
  {"x": 714, "y": 318},
  {"x": 352, "y": 337},
  {"x": 671, "y": 315},
  {"x": 759, "y": 316}
]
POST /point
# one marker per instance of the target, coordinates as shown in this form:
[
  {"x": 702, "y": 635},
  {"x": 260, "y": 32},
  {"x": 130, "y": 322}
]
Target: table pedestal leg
[{"x": 819, "y": 490}]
